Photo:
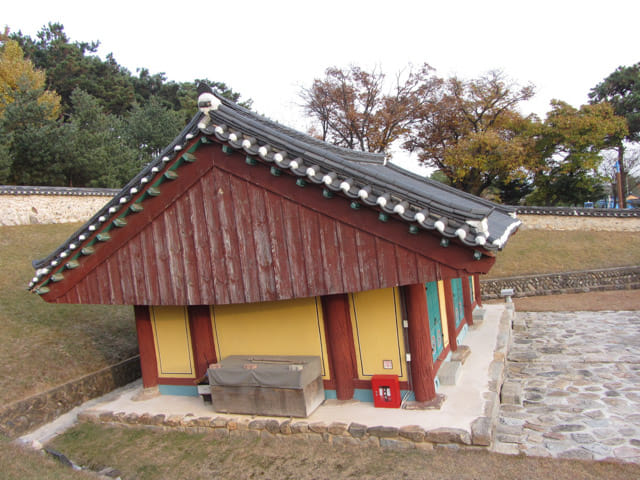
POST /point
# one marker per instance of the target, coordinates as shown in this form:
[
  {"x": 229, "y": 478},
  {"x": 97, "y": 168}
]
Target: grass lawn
[
  {"x": 146, "y": 454},
  {"x": 43, "y": 345},
  {"x": 540, "y": 251},
  {"x": 18, "y": 463}
]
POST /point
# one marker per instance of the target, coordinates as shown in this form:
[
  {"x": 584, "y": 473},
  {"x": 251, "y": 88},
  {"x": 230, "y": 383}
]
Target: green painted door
[
  {"x": 458, "y": 300},
  {"x": 435, "y": 322},
  {"x": 471, "y": 290}
]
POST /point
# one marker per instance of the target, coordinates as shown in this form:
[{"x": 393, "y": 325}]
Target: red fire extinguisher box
[{"x": 386, "y": 391}]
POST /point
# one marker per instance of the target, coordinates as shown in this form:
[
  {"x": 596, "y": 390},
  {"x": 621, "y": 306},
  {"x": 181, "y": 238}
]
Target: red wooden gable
[{"x": 226, "y": 232}]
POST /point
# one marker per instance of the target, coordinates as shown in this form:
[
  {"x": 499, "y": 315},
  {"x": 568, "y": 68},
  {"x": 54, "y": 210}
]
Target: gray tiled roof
[{"x": 365, "y": 178}]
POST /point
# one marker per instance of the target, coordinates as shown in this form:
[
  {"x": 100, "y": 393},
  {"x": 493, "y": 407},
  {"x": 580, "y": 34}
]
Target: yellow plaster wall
[
  {"x": 443, "y": 313},
  {"x": 173, "y": 342},
  {"x": 288, "y": 327},
  {"x": 376, "y": 318}
]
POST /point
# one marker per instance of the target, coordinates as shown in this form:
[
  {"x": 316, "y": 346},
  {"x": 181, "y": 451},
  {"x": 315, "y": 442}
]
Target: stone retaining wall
[
  {"x": 622, "y": 278},
  {"x": 557, "y": 222},
  {"x": 25, "y": 415},
  {"x": 34, "y": 205}
]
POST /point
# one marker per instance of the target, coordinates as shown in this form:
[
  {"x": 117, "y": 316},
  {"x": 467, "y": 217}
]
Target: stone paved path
[{"x": 572, "y": 386}]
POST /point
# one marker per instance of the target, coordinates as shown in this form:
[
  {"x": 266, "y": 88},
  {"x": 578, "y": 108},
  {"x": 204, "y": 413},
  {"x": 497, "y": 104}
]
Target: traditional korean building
[{"x": 245, "y": 237}]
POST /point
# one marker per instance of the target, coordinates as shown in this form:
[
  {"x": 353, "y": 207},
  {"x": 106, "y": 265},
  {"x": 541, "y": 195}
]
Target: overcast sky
[{"x": 268, "y": 50}]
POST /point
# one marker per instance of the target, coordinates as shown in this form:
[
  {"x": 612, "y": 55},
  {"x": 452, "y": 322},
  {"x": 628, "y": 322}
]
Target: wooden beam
[
  {"x": 146, "y": 345},
  {"x": 421, "y": 365},
  {"x": 340, "y": 346},
  {"x": 451, "y": 314},
  {"x": 478, "y": 291},
  {"x": 468, "y": 304},
  {"x": 204, "y": 350}
]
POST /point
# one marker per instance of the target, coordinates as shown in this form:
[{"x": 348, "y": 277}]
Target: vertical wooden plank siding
[
  {"x": 227, "y": 255},
  {"x": 146, "y": 345},
  {"x": 451, "y": 314},
  {"x": 367, "y": 260},
  {"x": 478, "y": 291},
  {"x": 407, "y": 269},
  {"x": 245, "y": 249},
  {"x": 296, "y": 250},
  {"x": 348, "y": 255},
  {"x": 330, "y": 256},
  {"x": 212, "y": 236},
  {"x": 190, "y": 267},
  {"x": 259, "y": 227},
  {"x": 340, "y": 346},
  {"x": 234, "y": 234},
  {"x": 468, "y": 304},
  {"x": 419, "y": 345},
  {"x": 278, "y": 245},
  {"x": 201, "y": 243},
  {"x": 127, "y": 275},
  {"x": 176, "y": 255},
  {"x": 387, "y": 264},
  {"x": 204, "y": 351},
  {"x": 151, "y": 277},
  {"x": 310, "y": 242}
]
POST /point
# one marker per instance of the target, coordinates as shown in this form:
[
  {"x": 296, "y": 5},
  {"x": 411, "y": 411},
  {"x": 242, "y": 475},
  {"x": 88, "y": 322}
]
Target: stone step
[
  {"x": 450, "y": 372},
  {"x": 461, "y": 354}
]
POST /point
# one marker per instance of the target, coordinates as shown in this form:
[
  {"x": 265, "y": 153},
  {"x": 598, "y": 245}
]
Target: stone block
[
  {"x": 511, "y": 393},
  {"x": 496, "y": 375},
  {"x": 414, "y": 433},
  {"x": 461, "y": 354},
  {"x": 272, "y": 426},
  {"x": 357, "y": 430},
  {"x": 383, "y": 432},
  {"x": 300, "y": 427},
  {"x": 450, "y": 372},
  {"x": 481, "y": 431},
  {"x": 519, "y": 324},
  {"x": 448, "y": 435},
  {"x": 318, "y": 427},
  {"x": 478, "y": 315},
  {"x": 337, "y": 428},
  {"x": 394, "y": 444}
]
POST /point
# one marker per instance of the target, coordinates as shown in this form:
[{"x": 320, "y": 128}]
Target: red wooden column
[
  {"x": 476, "y": 287},
  {"x": 419, "y": 342},
  {"x": 146, "y": 346},
  {"x": 466, "y": 295},
  {"x": 342, "y": 354},
  {"x": 204, "y": 350},
  {"x": 451, "y": 314}
]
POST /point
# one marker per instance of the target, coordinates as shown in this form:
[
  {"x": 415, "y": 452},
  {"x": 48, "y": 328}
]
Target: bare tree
[{"x": 353, "y": 109}]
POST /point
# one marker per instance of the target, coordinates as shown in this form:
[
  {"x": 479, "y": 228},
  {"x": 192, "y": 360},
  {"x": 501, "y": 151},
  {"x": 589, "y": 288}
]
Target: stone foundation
[
  {"x": 22, "y": 416},
  {"x": 622, "y": 278}
]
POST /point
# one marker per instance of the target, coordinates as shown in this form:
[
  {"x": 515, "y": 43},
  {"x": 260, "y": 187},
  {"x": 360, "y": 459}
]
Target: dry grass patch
[
  {"x": 19, "y": 463},
  {"x": 147, "y": 454},
  {"x": 43, "y": 345},
  {"x": 540, "y": 251}
]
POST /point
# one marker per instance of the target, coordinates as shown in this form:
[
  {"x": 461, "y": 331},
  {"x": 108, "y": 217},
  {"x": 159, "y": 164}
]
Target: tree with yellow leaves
[{"x": 18, "y": 73}]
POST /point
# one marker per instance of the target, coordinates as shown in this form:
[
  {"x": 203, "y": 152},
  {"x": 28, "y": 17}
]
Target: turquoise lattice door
[
  {"x": 435, "y": 322},
  {"x": 458, "y": 300}
]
